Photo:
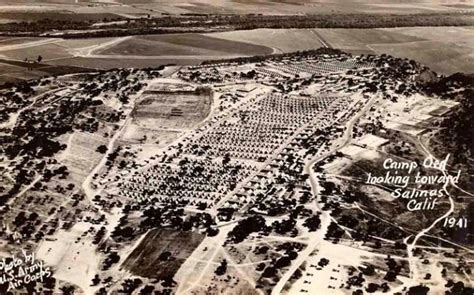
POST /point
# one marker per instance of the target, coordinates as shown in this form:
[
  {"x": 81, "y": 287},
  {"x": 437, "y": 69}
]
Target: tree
[
  {"x": 95, "y": 280},
  {"x": 101, "y": 149},
  {"x": 418, "y": 290},
  {"x": 222, "y": 268}
]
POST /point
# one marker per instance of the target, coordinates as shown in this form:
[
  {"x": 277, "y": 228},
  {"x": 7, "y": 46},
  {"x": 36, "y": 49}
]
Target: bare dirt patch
[{"x": 171, "y": 110}]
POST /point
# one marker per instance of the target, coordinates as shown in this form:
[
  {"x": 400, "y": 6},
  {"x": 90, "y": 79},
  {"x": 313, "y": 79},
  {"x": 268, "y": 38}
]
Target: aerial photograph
[{"x": 238, "y": 147}]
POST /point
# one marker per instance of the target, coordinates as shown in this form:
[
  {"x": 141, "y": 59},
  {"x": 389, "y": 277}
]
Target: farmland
[
  {"x": 137, "y": 52},
  {"x": 123, "y": 61},
  {"x": 444, "y": 49},
  {"x": 150, "y": 259},
  {"x": 50, "y": 51},
  {"x": 181, "y": 45},
  {"x": 17, "y": 71},
  {"x": 280, "y": 40},
  {"x": 93, "y": 10},
  {"x": 56, "y": 15}
]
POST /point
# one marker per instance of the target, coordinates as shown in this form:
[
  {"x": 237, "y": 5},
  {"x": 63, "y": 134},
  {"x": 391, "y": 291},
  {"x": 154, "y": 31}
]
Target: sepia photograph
[{"x": 237, "y": 147}]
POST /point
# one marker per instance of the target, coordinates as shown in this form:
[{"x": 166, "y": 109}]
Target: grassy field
[
  {"x": 292, "y": 7},
  {"x": 441, "y": 57},
  {"x": 285, "y": 40},
  {"x": 444, "y": 49},
  {"x": 15, "y": 71},
  {"x": 144, "y": 259},
  {"x": 4, "y": 41},
  {"x": 56, "y": 15},
  {"x": 183, "y": 44},
  {"x": 144, "y": 51},
  {"x": 138, "y": 46},
  {"x": 359, "y": 38},
  {"x": 109, "y": 63},
  {"x": 29, "y": 10},
  {"x": 47, "y": 51},
  {"x": 6, "y": 68},
  {"x": 81, "y": 43}
]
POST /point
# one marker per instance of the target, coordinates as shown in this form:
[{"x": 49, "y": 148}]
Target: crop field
[
  {"x": 281, "y": 40},
  {"x": 181, "y": 110},
  {"x": 145, "y": 258},
  {"x": 110, "y": 63},
  {"x": 4, "y": 41},
  {"x": 143, "y": 51},
  {"x": 32, "y": 10},
  {"x": 183, "y": 44},
  {"x": 83, "y": 43},
  {"x": 460, "y": 35},
  {"x": 6, "y": 68},
  {"x": 137, "y": 46},
  {"x": 8, "y": 79},
  {"x": 444, "y": 49},
  {"x": 56, "y": 15},
  {"x": 210, "y": 43},
  {"x": 15, "y": 71},
  {"x": 439, "y": 56},
  {"x": 47, "y": 51},
  {"x": 359, "y": 38},
  {"x": 289, "y": 7},
  {"x": 26, "y": 75}
]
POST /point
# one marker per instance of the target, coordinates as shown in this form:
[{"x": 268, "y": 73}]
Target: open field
[
  {"x": 210, "y": 43},
  {"x": 71, "y": 256},
  {"x": 135, "y": 134},
  {"x": 58, "y": 9},
  {"x": 169, "y": 110},
  {"x": 84, "y": 43},
  {"x": 280, "y": 40},
  {"x": 15, "y": 71},
  {"x": 145, "y": 259},
  {"x": 182, "y": 44},
  {"x": 50, "y": 51},
  {"x": 56, "y": 15},
  {"x": 4, "y": 41},
  {"x": 444, "y": 49},
  {"x": 441, "y": 57},
  {"x": 142, "y": 51},
  {"x": 123, "y": 62},
  {"x": 359, "y": 39}
]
